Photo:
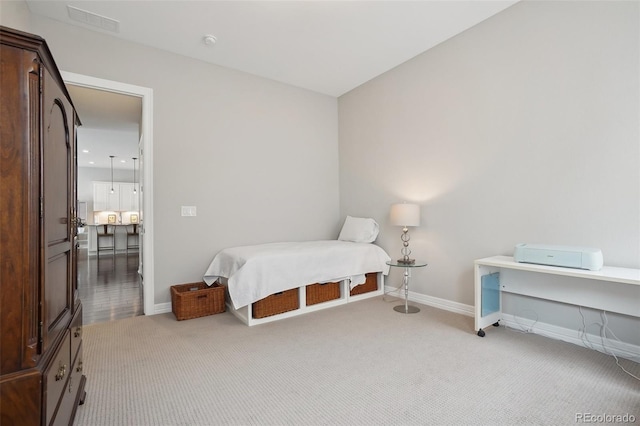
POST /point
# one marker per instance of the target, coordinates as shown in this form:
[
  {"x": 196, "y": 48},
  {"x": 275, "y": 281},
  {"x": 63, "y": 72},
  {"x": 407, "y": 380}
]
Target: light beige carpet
[{"x": 361, "y": 363}]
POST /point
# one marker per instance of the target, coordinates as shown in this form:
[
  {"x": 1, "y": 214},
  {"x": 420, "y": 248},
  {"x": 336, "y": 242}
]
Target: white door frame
[{"x": 147, "y": 192}]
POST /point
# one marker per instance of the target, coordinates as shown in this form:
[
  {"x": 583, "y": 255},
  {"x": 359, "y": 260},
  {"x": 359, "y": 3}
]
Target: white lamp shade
[{"x": 405, "y": 214}]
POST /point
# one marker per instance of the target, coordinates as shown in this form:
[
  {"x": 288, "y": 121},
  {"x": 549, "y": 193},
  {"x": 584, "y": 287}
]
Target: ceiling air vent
[{"x": 93, "y": 19}]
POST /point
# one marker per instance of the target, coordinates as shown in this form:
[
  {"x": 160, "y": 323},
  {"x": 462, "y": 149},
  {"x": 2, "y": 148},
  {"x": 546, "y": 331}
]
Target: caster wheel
[
  {"x": 481, "y": 333},
  {"x": 496, "y": 324}
]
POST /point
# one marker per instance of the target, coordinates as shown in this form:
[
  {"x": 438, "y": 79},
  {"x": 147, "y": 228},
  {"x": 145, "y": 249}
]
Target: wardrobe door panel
[{"x": 57, "y": 170}]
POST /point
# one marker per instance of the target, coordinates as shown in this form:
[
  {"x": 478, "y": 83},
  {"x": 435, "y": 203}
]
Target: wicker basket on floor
[
  {"x": 277, "y": 303},
  {"x": 371, "y": 284},
  {"x": 318, "y": 293},
  {"x": 197, "y": 300}
]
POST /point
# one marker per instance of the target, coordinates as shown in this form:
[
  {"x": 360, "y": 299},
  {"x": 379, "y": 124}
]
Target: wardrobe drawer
[
  {"x": 76, "y": 331},
  {"x": 70, "y": 393},
  {"x": 56, "y": 377}
]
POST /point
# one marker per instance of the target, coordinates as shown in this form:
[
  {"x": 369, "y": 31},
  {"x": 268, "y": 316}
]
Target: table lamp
[{"x": 405, "y": 215}]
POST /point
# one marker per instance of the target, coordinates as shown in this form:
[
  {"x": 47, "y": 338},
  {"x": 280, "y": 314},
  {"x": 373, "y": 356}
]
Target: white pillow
[{"x": 359, "y": 230}]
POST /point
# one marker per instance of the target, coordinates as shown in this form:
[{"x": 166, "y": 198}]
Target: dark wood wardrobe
[{"x": 41, "y": 378}]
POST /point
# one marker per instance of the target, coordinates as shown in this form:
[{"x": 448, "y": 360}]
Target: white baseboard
[
  {"x": 162, "y": 308},
  {"x": 607, "y": 346},
  {"x": 436, "y": 302},
  {"x": 620, "y": 349}
]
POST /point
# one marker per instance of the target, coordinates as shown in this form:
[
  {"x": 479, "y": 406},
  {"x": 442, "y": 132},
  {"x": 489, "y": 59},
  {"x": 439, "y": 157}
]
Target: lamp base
[
  {"x": 406, "y": 309},
  {"x": 406, "y": 261}
]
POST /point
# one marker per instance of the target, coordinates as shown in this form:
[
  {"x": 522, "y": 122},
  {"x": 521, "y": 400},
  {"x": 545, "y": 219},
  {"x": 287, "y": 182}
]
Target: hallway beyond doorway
[{"x": 109, "y": 287}]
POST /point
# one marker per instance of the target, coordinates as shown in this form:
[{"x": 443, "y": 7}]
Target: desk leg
[
  {"x": 492, "y": 318},
  {"x": 406, "y": 308}
]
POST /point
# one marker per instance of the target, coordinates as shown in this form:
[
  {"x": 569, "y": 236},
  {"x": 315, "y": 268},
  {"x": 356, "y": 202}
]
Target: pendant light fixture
[
  {"x": 111, "y": 157},
  {"x": 134, "y": 174}
]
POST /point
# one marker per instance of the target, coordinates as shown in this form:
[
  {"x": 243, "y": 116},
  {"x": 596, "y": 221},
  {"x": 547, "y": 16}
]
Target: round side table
[{"x": 406, "y": 308}]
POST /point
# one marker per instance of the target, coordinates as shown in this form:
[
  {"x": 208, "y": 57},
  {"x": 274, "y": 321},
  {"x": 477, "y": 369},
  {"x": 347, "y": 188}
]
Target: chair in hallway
[
  {"x": 133, "y": 234},
  {"x": 105, "y": 232}
]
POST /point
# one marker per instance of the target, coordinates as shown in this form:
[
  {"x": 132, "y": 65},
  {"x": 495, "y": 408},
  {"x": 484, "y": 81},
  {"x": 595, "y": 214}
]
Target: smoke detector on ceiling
[{"x": 209, "y": 40}]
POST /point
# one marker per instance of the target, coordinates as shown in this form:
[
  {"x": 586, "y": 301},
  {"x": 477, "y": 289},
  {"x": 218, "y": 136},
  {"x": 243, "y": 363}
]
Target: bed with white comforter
[{"x": 255, "y": 272}]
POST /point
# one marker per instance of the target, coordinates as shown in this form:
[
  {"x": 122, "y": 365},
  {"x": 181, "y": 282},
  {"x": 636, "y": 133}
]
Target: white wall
[
  {"x": 259, "y": 159},
  {"x": 15, "y": 14},
  {"x": 522, "y": 129}
]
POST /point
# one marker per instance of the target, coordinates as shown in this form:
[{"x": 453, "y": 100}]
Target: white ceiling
[
  {"x": 110, "y": 126},
  {"x": 106, "y": 110},
  {"x": 330, "y": 47}
]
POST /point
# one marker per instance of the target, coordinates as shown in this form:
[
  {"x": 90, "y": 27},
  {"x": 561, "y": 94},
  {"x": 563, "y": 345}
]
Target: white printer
[{"x": 569, "y": 257}]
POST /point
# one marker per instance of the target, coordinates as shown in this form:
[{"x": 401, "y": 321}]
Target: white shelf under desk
[{"x": 610, "y": 289}]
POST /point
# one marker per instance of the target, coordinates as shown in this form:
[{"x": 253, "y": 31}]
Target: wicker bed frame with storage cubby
[{"x": 307, "y": 298}]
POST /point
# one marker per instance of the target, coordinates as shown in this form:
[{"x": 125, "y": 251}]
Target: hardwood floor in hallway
[{"x": 109, "y": 287}]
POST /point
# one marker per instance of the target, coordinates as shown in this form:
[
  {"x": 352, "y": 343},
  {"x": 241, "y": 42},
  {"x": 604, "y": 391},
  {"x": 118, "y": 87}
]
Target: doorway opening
[{"x": 145, "y": 267}]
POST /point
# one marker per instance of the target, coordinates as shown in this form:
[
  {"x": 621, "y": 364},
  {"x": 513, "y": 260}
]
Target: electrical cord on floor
[
  {"x": 604, "y": 326},
  {"x": 384, "y": 295},
  {"x": 523, "y": 329},
  {"x": 603, "y": 335},
  {"x": 583, "y": 331}
]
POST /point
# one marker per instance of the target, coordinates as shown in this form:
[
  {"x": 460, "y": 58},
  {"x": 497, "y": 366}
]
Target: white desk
[{"x": 610, "y": 289}]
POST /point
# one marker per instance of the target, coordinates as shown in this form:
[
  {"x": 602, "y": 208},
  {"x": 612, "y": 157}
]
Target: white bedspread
[{"x": 255, "y": 272}]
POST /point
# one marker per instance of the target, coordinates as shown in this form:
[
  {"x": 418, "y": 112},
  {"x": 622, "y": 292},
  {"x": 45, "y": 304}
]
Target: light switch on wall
[{"x": 188, "y": 210}]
